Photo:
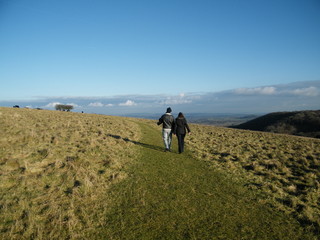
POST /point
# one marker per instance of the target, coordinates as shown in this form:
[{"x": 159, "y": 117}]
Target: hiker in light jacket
[
  {"x": 167, "y": 121},
  {"x": 181, "y": 127}
]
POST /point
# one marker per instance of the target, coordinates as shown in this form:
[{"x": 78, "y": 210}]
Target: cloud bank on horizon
[{"x": 264, "y": 99}]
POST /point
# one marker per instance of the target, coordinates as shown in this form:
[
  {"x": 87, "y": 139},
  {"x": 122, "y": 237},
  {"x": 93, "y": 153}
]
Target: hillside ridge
[{"x": 300, "y": 123}]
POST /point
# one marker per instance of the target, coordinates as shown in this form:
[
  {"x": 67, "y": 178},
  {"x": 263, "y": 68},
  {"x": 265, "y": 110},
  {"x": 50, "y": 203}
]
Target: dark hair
[
  {"x": 169, "y": 110},
  {"x": 180, "y": 115}
]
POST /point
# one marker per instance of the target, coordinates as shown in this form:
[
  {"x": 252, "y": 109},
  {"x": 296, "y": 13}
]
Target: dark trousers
[{"x": 181, "y": 142}]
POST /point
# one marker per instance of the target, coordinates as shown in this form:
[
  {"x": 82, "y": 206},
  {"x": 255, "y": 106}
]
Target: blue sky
[{"x": 108, "y": 51}]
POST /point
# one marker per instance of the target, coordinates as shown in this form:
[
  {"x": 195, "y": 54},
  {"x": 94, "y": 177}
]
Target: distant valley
[
  {"x": 216, "y": 119},
  {"x": 299, "y": 123}
]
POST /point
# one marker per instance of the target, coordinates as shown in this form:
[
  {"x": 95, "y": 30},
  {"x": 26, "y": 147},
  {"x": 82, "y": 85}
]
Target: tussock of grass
[
  {"x": 55, "y": 169},
  {"x": 286, "y": 168}
]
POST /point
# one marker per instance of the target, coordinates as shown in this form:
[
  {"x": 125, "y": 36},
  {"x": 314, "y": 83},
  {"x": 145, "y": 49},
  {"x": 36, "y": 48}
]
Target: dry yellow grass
[
  {"x": 55, "y": 169},
  {"x": 286, "y": 168}
]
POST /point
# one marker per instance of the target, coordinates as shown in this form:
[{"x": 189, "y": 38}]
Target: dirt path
[{"x": 173, "y": 196}]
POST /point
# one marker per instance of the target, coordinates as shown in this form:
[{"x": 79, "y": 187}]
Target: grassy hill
[
  {"x": 81, "y": 176},
  {"x": 55, "y": 169},
  {"x": 301, "y": 123},
  {"x": 285, "y": 168}
]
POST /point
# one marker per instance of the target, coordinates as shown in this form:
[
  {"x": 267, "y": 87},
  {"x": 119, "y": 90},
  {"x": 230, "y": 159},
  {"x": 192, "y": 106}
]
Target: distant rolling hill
[{"x": 301, "y": 123}]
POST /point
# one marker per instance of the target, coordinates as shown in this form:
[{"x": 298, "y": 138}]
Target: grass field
[
  {"x": 80, "y": 176},
  {"x": 55, "y": 169},
  {"x": 286, "y": 168}
]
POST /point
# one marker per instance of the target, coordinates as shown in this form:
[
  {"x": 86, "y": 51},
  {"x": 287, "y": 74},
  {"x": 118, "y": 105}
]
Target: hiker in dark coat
[
  {"x": 181, "y": 128},
  {"x": 167, "y": 121}
]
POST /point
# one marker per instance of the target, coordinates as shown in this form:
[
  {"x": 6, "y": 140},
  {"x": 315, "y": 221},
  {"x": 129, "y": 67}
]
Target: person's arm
[
  {"x": 174, "y": 126},
  {"x": 160, "y": 121},
  {"x": 187, "y": 126}
]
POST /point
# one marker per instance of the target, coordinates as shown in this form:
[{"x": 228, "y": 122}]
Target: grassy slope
[
  {"x": 55, "y": 170},
  {"x": 285, "y": 168},
  {"x": 172, "y": 196},
  {"x": 301, "y": 123},
  {"x": 66, "y": 175}
]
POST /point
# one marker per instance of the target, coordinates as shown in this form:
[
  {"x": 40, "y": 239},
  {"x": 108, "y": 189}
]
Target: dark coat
[
  {"x": 181, "y": 126},
  {"x": 167, "y": 120}
]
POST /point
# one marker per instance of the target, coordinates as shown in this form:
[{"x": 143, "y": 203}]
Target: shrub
[{"x": 62, "y": 107}]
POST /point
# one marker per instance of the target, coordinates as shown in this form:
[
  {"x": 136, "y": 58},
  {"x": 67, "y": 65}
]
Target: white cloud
[
  {"x": 254, "y": 91},
  {"x": 99, "y": 104},
  {"x": 282, "y": 97},
  {"x": 95, "y": 104},
  {"x": 52, "y": 104},
  {"x": 310, "y": 91},
  {"x": 128, "y": 103},
  {"x": 174, "y": 100},
  {"x": 74, "y": 105}
]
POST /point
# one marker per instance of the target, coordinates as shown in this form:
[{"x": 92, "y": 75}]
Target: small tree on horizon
[{"x": 63, "y": 107}]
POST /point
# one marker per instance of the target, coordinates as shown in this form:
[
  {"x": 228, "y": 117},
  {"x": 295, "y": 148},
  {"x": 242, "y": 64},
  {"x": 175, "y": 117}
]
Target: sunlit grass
[
  {"x": 284, "y": 167},
  {"x": 55, "y": 168},
  {"x": 58, "y": 169}
]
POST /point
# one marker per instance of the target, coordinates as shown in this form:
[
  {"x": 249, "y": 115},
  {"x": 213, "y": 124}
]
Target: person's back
[
  {"x": 181, "y": 127},
  {"x": 167, "y": 121}
]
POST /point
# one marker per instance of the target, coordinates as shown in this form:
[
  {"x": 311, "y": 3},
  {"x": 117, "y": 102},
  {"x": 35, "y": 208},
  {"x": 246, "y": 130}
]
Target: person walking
[
  {"x": 181, "y": 128},
  {"x": 168, "y": 123}
]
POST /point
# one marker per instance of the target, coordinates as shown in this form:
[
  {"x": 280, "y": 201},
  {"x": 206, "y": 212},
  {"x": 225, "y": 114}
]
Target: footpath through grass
[{"x": 173, "y": 196}]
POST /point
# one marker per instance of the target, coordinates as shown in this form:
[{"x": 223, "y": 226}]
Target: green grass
[
  {"x": 55, "y": 171},
  {"x": 173, "y": 196},
  {"x": 81, "y": 176},
  {"x": 285, "y": 168}
]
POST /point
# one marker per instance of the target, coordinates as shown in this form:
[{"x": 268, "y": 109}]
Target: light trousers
[{"x": 167, "y": 137}]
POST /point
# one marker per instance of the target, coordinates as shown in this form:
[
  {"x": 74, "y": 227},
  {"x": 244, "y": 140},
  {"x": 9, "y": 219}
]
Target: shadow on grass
[{"x": 157, "y": 148}]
